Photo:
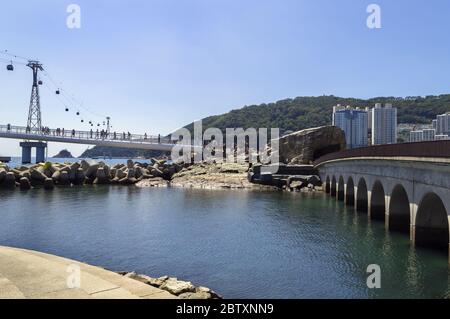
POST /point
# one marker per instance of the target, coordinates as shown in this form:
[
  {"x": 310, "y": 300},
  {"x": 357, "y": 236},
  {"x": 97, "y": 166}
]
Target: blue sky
[{"x": 156, "y": 65}]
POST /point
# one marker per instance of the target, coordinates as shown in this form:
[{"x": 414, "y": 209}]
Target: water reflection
[{"x": 243, "y": 244}]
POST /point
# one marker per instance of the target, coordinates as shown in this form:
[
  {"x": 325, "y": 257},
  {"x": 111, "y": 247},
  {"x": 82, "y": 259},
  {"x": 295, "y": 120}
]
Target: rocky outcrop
[
  {"x": 303, "y": 147},
  {"x": 180, "y": 288},
  {"x": 214, "y": 176},
  {"x": 63, "y": 154}
]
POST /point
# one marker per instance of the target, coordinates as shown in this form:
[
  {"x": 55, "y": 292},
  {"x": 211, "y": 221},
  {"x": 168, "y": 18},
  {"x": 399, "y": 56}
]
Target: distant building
[
  {"x": 434, "y": 124},
  {"x": 443, "y": 124},
  {"x": 441, "y": 137},
  {"x": 416, "y": 136},
  {"x": 354, "y": 123},
  {"x": 429, "y": 134},
  {"x": 423, "y": 135},
  {"x": 384, "y": 124}
]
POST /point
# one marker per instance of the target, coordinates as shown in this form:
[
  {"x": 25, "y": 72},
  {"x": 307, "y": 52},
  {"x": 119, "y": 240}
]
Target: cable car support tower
[{"x": 34, "y": 124}]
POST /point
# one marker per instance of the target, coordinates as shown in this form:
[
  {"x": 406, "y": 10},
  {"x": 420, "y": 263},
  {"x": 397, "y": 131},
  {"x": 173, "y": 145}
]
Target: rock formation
[
  {"x": 303, "y": 147},
  {"x": 63, "y": 154},
  {"x": 180, "y": 288}
]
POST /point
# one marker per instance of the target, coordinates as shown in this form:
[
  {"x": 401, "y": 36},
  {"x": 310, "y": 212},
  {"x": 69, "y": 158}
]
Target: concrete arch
[
  {"x": 362, "y": 201},
  {"x": 333, "y": 186},
  {"x": 341, "y": 189},
  {"x": 350, "y": 192},
  {"x": 378, "y": 201},
  {"x": 327, "y": 185},
  {"x": 399, "y": 210},
  {"x": 432, "y": 229}
]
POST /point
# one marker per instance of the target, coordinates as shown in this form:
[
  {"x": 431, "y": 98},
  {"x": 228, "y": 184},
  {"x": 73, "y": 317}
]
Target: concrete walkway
[{"x": 31, "y": 274}]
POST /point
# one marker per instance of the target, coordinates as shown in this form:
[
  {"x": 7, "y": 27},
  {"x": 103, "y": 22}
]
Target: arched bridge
[{"x": 405, "y": 185}]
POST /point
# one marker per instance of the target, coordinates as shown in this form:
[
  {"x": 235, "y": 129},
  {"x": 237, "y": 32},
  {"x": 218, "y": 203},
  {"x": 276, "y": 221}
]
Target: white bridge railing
[{"x": 93, "y": 135}]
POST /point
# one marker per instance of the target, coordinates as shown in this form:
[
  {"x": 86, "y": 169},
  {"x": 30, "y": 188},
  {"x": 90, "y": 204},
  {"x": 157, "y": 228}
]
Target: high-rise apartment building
[
  {"x": 443, "y": 124},
  {"x": 384, "y": 124},
  {"x": 354, "y": 123}
]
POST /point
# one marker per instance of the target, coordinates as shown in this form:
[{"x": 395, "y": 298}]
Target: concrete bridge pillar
[
  {"x": 26, "y": 151},
  {"x": 40, "y": 153},
  {"x": 355, "y": 199},
  {"x": 412, "y": 232},
  {"x": 369, "y": 203},
  {"x": 387, "y": 202},
  {"x": 26, "y": 154}
]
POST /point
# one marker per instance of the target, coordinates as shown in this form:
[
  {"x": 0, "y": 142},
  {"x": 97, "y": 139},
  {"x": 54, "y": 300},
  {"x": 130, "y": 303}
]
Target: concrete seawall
[{"x": 31, "y": 274}]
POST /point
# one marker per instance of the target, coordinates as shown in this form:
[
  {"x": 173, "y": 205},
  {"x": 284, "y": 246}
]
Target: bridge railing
[
  {"x": 429, "y": 149},
  {"x": 85, "y": 135}
]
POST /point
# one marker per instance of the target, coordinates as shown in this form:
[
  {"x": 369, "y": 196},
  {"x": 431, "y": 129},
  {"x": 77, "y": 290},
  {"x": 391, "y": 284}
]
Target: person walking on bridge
[{"x": 73, "y": 133}]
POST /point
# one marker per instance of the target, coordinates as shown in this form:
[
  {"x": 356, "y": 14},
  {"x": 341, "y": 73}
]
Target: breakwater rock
[
  {"x": 180, "y": 288},
  {"x": 48, "y": 175}
]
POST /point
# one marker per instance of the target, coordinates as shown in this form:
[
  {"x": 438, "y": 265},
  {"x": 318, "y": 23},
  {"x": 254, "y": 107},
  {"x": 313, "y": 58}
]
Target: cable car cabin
[
  {"x": 67, "y": 109},
  {"x": 40, "y": 82},
  {"x": 10, "y": 67},
  {"x": 78, "y": 113},
  {"x": 57, "y": 92}
]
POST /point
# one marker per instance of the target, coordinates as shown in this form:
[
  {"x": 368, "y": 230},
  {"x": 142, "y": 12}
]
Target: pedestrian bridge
[
  {"x": 405, "y": 185},
  {"x": 89, "y": 138}
]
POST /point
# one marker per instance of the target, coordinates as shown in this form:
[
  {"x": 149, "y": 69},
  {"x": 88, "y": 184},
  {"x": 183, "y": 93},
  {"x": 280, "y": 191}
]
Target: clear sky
[{"x": 156, "y": 65}]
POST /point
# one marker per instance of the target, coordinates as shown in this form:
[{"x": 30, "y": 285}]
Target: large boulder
[
  {"x": 101, "y": 176},
  {"x": 10, "y": 180},
  {"x": 48, "y": 184},
  {"x": 79, "y": 177},
  {"x": 177, "y": 287},
  {"x": 24, "y": 183},
  {"x": 37, "y": 176},
  {"x": 64, "y": 178},
  {"x": 56, "y": 175},
  {"x": 91, "y": 172},
  {"x": 303, "y": 147},
  {"x": 2, "y": 174}
]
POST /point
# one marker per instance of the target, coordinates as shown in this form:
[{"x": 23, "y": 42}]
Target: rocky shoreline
[
  {"x": 158, "y": 173},
  {"x": 181, "y": 289},
  {"x": 48, "y": 175}
]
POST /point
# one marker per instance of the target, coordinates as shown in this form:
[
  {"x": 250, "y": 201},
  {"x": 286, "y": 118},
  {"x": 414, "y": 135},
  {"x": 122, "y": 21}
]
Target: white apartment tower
[
  {"x": 443, "y": 124},
  {"x": 384, "y": 124}
]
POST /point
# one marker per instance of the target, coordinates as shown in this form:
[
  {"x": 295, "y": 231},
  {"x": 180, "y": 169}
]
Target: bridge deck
[
  {"x": 418, "y": 150},
  {"x": 121, "y": 140}
]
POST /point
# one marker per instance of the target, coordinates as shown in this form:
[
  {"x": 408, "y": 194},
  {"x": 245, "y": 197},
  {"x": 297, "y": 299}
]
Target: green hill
[{"x": 303, "y": 112}]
